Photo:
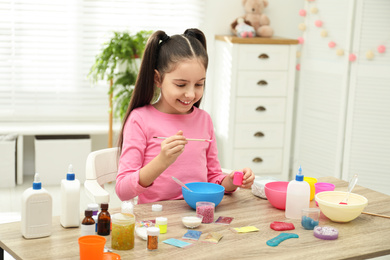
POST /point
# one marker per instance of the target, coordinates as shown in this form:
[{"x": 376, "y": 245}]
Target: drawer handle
[
  {"x": 263, "y": 56},
  {"x": 262, "y": 83},
  {"x": 260, "y": 108},
  {"x": 257, "y": 160},
  {"x": 258, "y": 134}
]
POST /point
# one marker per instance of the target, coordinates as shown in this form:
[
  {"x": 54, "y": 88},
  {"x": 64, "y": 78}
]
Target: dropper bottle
[{"x": 298, "y": 196}]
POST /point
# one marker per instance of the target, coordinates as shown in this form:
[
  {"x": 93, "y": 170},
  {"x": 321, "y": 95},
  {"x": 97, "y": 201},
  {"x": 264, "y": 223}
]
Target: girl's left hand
[{"x": 248, "y": 178}]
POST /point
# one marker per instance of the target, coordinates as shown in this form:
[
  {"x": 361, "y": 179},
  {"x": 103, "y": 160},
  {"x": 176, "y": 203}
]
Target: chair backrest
[{"x": 102, "y": 165}]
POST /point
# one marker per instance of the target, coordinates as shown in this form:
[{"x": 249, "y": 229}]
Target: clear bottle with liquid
[
  {"x": 37, "y": 211},
  {"x": 70, "y": 200},
  {"x": 298, "y": 196}
]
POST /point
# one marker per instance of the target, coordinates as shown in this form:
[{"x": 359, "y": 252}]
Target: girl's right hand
[{"x": 172, "y": 147}]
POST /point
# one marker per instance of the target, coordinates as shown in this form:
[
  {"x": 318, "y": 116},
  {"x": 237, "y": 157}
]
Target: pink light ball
[
  {"x": 298, "y": 67},
  {"x": 381, "y": 48},
  {"x": 318, "y": 23},
  {"x": 332, "y": 44},
  {"x": 352, "y": 57},
  {"x": 302, "y": 12},
  {"x": 301, "y": 40}
]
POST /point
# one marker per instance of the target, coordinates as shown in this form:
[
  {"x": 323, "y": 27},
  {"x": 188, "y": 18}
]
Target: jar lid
[
  {"x": 157, "y": 207},
  {"x": 121, "y": 218},
  {"x": 161, "y": 220},
  {"x": 93, "y": 206},
  {"x": 153, "y": 231}
]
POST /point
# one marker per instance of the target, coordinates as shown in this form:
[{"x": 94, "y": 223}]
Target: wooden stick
[
  {"x": 373, "y": 214},
  {"x": 188, "y": 139}
]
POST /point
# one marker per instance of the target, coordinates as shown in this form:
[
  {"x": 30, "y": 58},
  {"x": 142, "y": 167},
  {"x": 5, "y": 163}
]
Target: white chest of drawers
[{"x": 253, "y": 96}]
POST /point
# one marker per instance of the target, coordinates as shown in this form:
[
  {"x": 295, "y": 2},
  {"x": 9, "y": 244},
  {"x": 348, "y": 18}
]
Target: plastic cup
[
  {"x": 323, "y": 186},
  {"x": 91, "y": 247},
  {"x": 310, "y": 218},
  {"x": 311, "y": 182}
]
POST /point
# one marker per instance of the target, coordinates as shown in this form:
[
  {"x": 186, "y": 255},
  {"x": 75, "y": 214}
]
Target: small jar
[
  {"x": 206, "y": 209},
  {"x": 122, "y": 234},
  {"x": 153, "y": 233},
  {"x": 162, "y": 224}
]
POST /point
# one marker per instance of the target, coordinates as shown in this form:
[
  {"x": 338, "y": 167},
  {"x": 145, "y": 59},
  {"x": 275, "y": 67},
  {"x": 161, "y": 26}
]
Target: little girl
[{"x": 177, "y": 67}]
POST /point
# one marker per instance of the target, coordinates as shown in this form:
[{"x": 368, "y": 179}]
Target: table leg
[{"x": 1, "y": 253}]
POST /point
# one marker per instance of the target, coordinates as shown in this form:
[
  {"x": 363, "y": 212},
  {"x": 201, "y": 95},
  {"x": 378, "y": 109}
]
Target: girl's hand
[
  {"x": 248, "y": 178},
  {"x": 172, "y": 147}
]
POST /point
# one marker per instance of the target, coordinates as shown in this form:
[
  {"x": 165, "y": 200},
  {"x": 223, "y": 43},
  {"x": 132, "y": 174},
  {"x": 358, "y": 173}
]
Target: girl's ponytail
[{"x": 198, "y": 34}]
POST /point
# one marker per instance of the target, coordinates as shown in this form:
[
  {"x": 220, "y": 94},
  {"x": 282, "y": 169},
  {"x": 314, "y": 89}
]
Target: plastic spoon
[
  {"x": 180, "y": 183},
  {"x": 351, "y": 185}
]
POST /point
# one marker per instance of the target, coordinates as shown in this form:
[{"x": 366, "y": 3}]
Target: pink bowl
[{"x": 276, "y": 193}]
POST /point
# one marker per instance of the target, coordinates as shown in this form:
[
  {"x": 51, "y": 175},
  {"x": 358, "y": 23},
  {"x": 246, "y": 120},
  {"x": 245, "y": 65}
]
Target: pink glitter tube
[
  {"x": 206, "y": 209},
  {"x": 237, "y": 179}
]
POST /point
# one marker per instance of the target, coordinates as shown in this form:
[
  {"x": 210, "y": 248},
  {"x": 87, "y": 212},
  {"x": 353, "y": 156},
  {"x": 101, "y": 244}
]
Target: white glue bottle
[
  {"x": 37, "y": 211},
  {"x": 298, "y": 196},
  {"x": 70, "y": 200}
]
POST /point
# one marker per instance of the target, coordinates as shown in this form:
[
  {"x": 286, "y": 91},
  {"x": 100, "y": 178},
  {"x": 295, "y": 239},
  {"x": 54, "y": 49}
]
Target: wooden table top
[{"x": 365, "y": 237}]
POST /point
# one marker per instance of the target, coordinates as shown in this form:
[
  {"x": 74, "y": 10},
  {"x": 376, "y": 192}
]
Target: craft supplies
[
  {"x": 122, "y": 235},
  {"x": 162, "y": 224},
  {"x": 91, "y": 247},
  {"x": 310, "y": 218},
  {"x": 127, "y": 207},
  {"x": 280, "y": 238},
  {"x": 192, "y": 235},
  {"x": 311, "y": 182},
  {"x": 323, "y": 186},
  {"x": 377, "y": 215},
  {"x": 351, "y": 185},
  {"x": 104, "y": 221},
  {"x": 37, "y": 208},
  {"x": 282, "y": 226},
  {"x": 157, "y": 207},
  {"x": 326, "y": 233},
  {"x": 153, "y": 233},
  {"x": 212, "y": 237},
  {"x": 224, "y": 220},
  {"x": 88, "y": 224},
  {"x": 297, "y": 196},
  {"x": 192, "y": 220},
  {"x": 206, "y": 209},
  {"x": 177, "y": 243},
  {"x": 141, "y": 228},
  {"x": 246, "y": 229},
  {"x": 95, "y": 209},
  {"x": 70, "y": 200},
  {"x": 237, "y": 179}
]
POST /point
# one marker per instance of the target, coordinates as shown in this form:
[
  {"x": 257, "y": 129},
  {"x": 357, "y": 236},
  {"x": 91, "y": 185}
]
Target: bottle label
[{"x": 87, "y": 230}]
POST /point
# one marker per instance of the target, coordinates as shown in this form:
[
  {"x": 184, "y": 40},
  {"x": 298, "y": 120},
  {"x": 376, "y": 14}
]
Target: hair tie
[{"x": 164, "y": 39}]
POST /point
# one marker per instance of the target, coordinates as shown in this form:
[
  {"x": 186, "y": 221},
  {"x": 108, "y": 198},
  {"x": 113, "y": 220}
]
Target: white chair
[{"x": 101, "y": 167}]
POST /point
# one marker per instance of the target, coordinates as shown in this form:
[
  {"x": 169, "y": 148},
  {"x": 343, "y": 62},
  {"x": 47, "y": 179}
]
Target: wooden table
[{"x": 365, "y": 237}]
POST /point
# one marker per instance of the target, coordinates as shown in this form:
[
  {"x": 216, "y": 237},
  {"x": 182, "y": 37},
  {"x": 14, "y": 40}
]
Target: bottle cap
[
  {"x": 104, "y": 206},
  {"x": 161, "y": 220},
  {"x": 157, "y": 207},
  {"x": 127, "y": 207},
  {"x": 153, "y": 231},
  {"x": 37, "y": 182},
  {"x": 299, "y": 176},
  {"x": 88, "y": 213},
  {"x": 70, "y": 176}
]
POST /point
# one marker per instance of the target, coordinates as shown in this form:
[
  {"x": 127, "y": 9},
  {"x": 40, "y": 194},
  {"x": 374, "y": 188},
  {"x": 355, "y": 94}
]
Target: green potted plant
[{"x": 118, "y": 64}]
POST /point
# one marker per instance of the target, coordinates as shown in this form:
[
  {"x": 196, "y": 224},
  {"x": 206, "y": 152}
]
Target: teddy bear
[{"x": 255, "y": 17}]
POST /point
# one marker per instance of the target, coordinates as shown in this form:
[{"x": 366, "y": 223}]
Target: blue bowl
[{"x": 203, "y": 191}]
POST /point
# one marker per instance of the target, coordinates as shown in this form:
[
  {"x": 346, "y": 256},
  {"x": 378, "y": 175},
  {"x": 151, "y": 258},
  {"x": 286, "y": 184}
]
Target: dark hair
[{"x": 163, "y": 53}]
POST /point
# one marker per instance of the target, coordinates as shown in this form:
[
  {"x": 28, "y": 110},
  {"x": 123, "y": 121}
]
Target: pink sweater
[{"x": 198, "y": 163}]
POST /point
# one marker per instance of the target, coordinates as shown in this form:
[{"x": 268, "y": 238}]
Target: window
[{"x": 48, "y": 46}]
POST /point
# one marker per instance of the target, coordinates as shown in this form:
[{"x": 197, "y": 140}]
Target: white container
[
  {"x": 298, "y": 196},
  {"x": 37, "y": 211},
  {"x": 70, "y": 200}
]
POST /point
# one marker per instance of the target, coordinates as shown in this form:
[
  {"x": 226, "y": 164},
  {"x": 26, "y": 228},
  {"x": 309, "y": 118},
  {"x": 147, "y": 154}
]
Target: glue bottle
[
  {"x": 298, "y": 196},
  {"x": 70, "y": 200},
  {"x": 37, "y": 211}
]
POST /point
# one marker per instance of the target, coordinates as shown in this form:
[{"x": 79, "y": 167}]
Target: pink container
[
  {"x": 323, "y": 186},
  {"x": 276, "y": 193}
]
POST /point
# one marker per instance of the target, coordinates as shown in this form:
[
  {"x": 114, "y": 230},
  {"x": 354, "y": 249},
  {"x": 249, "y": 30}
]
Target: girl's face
[{"x": 181, "y": 88}]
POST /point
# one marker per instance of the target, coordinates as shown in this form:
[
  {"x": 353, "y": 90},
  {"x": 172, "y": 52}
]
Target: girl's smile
[{"x": 181, "y": 88}]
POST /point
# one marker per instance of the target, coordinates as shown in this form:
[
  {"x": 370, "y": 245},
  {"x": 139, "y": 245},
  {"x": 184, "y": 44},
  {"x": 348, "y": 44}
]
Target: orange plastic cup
[
  {"x": 91, "y": 247},
  {"x": 311, "y": 182}
]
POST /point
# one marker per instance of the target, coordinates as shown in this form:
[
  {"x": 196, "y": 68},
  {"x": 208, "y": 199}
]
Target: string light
[{"x": 352, "y": 57}]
